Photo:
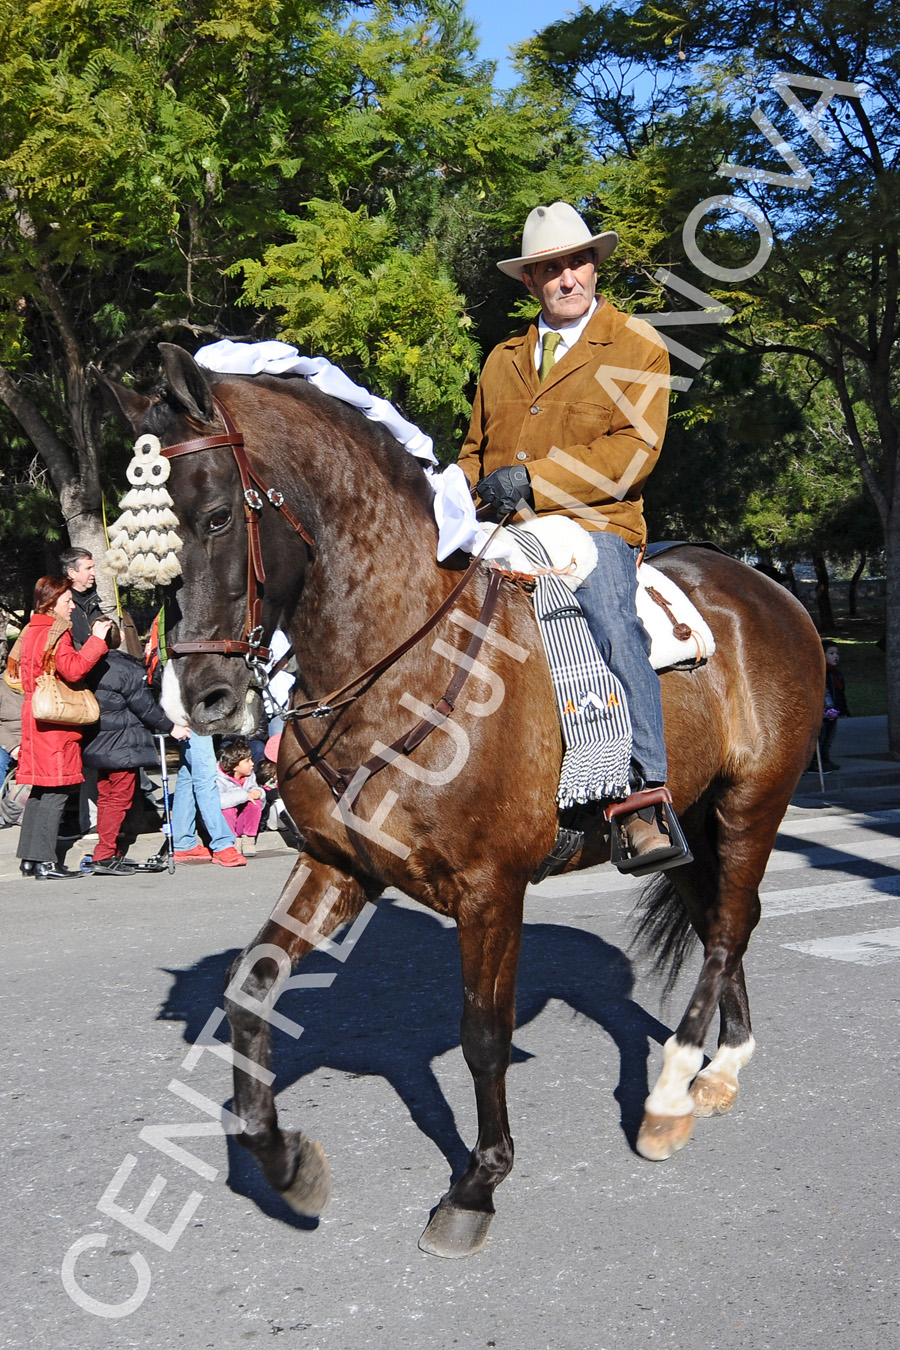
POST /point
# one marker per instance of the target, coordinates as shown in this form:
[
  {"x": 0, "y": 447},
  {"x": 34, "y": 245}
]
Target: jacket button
[
  {"x": 534, "y": 410},
  {"x": 521, "y": 454}
]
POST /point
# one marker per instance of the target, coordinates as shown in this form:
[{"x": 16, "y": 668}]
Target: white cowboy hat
[{"x": 551, "y": 232}]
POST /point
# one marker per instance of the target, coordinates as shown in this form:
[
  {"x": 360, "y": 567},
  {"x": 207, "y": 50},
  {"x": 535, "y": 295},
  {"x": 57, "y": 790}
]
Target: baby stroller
[{"x": 13, "y": 797}]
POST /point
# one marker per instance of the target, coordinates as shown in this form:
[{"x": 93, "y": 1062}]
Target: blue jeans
[
  {"x": 196, "y": 789},
  {"x": 6, "y": 763},
  {"x": 607, "y": 599}
]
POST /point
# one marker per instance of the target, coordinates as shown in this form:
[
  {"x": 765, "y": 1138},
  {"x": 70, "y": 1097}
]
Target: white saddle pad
[
  {"x": 574, "y": 558},
  {"x": 666, "y": 648}
]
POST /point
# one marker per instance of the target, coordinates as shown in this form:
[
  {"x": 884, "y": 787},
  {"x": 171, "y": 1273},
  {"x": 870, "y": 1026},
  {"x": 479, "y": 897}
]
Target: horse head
[{"x": 211, "y": 690}]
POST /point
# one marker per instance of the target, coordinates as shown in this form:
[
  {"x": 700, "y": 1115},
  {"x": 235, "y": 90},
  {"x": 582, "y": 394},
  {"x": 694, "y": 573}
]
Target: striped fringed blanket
[{"x": 593, "y": 711}]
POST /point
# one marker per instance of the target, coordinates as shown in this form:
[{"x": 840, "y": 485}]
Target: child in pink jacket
[{"x": 240, "y": 795}]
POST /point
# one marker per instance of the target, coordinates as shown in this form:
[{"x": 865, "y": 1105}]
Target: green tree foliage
[
  {"x": 718, "y": 458},
  {"x": 138, "y": 144},
  {"x": 145, "y": 148},
  {"x": 816, "y": 503},
  {"x": 390, "y": 318},
  {"x": 427, "y": 175},
  {"x": 829, "y": 291}
]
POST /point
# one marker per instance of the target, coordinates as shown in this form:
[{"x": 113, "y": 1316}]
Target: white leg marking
[
  {"x": 729, "y": 1060},
  {"x": 670, "y": 1095},
  {"x": 171, "y": 695}
]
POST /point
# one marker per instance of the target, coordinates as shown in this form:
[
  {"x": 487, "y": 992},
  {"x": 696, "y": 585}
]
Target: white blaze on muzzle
[
  {"x": 143, "y": 544},
  {"x": 171, "y": 700}
]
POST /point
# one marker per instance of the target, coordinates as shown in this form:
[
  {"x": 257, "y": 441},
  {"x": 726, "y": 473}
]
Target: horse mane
[{"x": 403, "y": 471}]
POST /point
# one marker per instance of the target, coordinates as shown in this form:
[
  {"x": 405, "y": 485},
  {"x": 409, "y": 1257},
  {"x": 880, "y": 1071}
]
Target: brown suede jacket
[{"x": 609, "y": 448}]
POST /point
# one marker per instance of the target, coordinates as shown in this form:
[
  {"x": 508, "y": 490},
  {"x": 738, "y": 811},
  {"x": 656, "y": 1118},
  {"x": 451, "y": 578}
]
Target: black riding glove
[{"x": 506, "y": 489}]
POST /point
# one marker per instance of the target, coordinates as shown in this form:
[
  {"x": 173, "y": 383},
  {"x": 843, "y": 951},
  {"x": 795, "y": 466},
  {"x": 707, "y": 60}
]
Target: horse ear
[
  {"x": 127, "y": 404},
  {"x": 187, "y": 383}
]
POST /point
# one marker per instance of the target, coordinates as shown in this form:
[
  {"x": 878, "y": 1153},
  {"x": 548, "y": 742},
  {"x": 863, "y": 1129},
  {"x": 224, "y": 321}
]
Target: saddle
[{"x": 680, "y": 638}]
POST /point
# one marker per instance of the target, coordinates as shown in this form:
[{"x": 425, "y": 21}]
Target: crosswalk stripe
[
  {"x": 604, "y": 879},
  {"x": 839, "y": 895},
  {"x": 874, "y": 948},
  {"x": 831, "y": 889},
  {"x": 590, "y": 882},
  {"x": 868, "y": 849},
  {"x": 819, "y": 824},
  {"x": 775, "y": 903}
]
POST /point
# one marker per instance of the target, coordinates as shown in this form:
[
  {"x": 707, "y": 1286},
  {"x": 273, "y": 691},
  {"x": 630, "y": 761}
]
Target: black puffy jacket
[
  {"x": 129, "y": 715},
  {"x": 86, "y": 612}
]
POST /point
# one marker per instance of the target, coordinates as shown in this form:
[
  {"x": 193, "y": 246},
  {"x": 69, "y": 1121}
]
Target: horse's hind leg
[
  {"x": 314, "y": 902},
  {"x": 489, "y": 950},
  {"x": 691, "y": 892},
  {"x": 741, "y": 841},
  {"x": 715, "y": 1088}
]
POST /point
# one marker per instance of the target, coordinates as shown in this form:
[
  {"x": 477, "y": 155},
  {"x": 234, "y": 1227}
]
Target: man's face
[
  {"x": 82, "y": 574},
  {"x": 565, "y": 287}
]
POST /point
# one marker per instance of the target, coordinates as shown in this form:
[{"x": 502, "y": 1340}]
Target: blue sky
[{"x": 502, "y": 22}]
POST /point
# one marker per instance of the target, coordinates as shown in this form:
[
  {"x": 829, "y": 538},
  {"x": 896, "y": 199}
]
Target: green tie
[{"x": 548, "y": 355}]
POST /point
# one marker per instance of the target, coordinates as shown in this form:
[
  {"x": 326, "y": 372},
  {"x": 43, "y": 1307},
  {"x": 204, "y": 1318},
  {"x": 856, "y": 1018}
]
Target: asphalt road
[{"x": 777, "y": 1225}]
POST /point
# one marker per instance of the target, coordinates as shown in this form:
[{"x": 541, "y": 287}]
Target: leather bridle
[{"x": 254, "y": 490}]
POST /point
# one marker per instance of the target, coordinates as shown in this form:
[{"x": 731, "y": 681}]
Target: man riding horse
[{"x": 569, "y": 418}]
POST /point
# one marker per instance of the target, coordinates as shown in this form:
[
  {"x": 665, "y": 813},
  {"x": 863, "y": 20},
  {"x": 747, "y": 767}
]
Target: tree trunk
[
  {"x": 892, "y": 617},
  {"x": 789, "y": 568},
  {"x": 823, "y": 594},
  {"x": 854, "y": 582}
]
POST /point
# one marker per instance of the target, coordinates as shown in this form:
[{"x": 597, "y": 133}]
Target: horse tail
[{"x": 662, "y": 931}]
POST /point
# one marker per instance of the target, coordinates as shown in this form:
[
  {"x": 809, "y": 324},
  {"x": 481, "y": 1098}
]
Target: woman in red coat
[{"x": 50, "y": 754}]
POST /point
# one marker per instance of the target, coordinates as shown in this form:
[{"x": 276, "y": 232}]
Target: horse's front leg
[
  {"x": 314, "y": 902},
  {"x": 489, "y": 945}
]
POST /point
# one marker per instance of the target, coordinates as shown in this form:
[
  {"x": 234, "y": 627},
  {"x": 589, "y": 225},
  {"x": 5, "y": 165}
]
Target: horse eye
[{"x": 218, "y": 520}]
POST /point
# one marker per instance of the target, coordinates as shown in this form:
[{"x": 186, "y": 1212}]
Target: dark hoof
[
  {"x": 455, "y": 1232},
  {"x": 310, "y": 1191}
]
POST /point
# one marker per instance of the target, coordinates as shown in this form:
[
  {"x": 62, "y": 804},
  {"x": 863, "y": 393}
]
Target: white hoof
[
  {"x": 661, "y": 1136},
  {"x": 715, "y": 1089}
]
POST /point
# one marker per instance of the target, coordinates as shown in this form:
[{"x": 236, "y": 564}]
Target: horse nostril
[{"x": 213, "y": 705}]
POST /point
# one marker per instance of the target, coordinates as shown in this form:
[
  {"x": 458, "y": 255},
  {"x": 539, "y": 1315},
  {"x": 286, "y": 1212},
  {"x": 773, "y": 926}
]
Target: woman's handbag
[{"x": 55, "y": 701}]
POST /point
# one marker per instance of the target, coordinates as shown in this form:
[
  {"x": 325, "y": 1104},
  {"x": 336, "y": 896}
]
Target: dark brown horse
[{"x": 461, "y": 822}]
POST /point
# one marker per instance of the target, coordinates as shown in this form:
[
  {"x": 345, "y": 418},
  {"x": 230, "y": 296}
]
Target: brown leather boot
[
  {"x": 642, "y": 841},
  {"x": 645, "y": 832}
]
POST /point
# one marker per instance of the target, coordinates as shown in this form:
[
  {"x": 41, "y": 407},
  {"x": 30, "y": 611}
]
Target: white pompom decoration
[
  {"x": 143, "y": 543},
  {"x": 147, "y": 447}
]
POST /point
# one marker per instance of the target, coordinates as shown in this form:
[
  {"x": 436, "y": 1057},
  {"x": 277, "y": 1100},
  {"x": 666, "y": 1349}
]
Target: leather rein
[{"x": 256, "y": 655}]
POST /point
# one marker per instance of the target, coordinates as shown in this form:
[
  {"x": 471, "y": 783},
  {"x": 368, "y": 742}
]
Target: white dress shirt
[{"x": 568, "y": 336}]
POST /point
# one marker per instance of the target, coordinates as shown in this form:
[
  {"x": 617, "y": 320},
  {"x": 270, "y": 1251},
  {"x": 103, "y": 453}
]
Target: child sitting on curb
[{"x": 240, "y": 795}]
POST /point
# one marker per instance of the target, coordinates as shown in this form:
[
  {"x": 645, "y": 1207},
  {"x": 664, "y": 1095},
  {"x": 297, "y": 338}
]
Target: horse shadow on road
[{"x": 394, "y": 1008}]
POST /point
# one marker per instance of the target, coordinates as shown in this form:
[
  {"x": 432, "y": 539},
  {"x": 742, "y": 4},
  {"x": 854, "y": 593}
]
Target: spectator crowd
[{"x": 80, "y": 725}]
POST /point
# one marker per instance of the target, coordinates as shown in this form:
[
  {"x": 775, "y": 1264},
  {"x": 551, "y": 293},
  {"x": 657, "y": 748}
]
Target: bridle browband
[{"x": 254, "y": 492}]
